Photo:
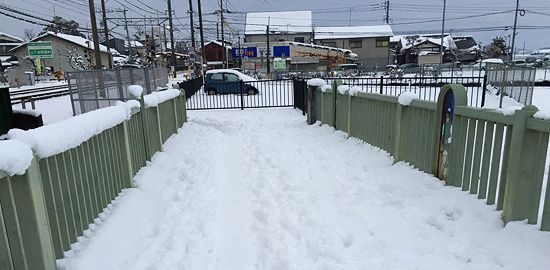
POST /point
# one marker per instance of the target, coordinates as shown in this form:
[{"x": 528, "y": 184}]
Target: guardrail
[
  {"x": 46, "y": 209},
  {"x": 500, "y": 158}
]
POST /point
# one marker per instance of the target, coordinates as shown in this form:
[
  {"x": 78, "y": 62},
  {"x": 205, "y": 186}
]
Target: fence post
[
  {"x": 144, "y": 127},
  {"x": 241, "y": 86},
  {"x": 304, "y": 95},
  {"x": 521, "y": 184},
  {"x": 23, "y": 203},
  {"x": 484, "y": 91},
  {"x": 349, "y": 114},
  {"x": 311, "y": 115},
  {"x": 127, "y": 162},
  {"x": 334, "y": 93},
  {"x": 381, "y": 85},
  {"x": 397, "y": 155}
]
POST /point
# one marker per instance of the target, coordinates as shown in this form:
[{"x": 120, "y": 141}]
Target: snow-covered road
[{"x": 259, "y": 189}]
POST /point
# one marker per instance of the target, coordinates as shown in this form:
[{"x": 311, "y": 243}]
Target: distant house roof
[
  {"x": 77, "y": 40},
  {"x": 284, "y": 22},
  {"x": 13, "y": 38},
  {"x": 219, "y": 43},
  {"x": 343, "y": 32},
  {"x": 408, "y": 42}
]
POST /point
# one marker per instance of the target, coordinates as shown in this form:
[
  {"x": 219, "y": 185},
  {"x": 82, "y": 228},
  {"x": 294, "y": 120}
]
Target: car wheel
[
  {"x": 211, "y": 91},
  {"x": 251, "y": 91}
]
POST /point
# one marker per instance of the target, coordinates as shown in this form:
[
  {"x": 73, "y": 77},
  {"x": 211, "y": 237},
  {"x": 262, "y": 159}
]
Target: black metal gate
[{"x": 239, "y": 95}]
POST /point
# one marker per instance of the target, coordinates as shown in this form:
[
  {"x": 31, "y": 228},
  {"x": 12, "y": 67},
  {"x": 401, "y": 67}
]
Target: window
[
  {"x": 216, "y": 77},
  {"x": 231, "y": 77},
  {"x": 329, "y": 44},
  {"x": 382, "y": 43},
  {"x": 299, "y": 39},
  {"x": 355, "y": 43}
]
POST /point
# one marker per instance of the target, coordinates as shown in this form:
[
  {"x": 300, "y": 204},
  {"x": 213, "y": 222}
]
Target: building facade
[
  {"x": 70, "y": 53},
  {"x": 370, "y": 43}
]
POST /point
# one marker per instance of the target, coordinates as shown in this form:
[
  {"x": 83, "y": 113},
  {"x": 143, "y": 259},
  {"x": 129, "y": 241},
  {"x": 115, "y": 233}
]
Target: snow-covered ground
[
  {"x": 38, "y": 85},
  {"x": 52, "y": 109},
  {"x": 260, "y": 189}
]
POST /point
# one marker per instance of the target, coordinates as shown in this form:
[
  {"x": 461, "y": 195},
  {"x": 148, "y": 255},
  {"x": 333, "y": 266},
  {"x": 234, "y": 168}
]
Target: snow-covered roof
[
  {"x": 134, "y": 43},
  {"x": 318, "y": 46},
  {"x": 353, "y": 32},
  {"x": 218, "y": 43},
  {"x": 284, "y": 21},
  {"x": 10, "y": 36},
  {"x": 78, "y": 40},
  {"x": 406, "y": 44}
]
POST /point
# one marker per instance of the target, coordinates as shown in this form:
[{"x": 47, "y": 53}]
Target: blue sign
[
  {"x": 281, "y": 51},
  {"x": 244, "y": 52}
]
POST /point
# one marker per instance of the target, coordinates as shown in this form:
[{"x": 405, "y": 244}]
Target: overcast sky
[{"x": 483, "y": 19}]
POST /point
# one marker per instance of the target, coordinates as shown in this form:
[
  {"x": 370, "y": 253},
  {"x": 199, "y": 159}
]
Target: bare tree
[{"x": 29, "y": 34}]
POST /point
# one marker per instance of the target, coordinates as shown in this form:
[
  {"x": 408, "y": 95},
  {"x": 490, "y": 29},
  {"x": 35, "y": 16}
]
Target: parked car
[
  {"x": 228, "y": 81},
  {"x": 409, "y": 69}
]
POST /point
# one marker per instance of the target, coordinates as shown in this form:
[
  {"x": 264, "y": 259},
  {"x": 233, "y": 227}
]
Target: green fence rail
[
  {"x": 45, "y": 210},
  {"x": 500, "y": 158}
]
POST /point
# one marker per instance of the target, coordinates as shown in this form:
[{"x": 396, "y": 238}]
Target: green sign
[
  {"x": 40, "y": 50},
  {"x": 279, "y": 64}
]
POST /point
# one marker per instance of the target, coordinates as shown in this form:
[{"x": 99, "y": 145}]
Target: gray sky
[{"x": 484, "y": 19}]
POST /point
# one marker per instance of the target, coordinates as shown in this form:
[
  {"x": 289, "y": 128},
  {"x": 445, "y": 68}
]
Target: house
[
  {"x": 213, "y": 54},
  {"x": 467, "y": 49},
  {"x": 8, "y": 42},
  {"x": 294, "y": 26},
  {"x": 370, "y": 43},
  {"x": 424, "y": 49},
  {"x": 71, "y": 53},
  {"x": 121, "y": 45}
]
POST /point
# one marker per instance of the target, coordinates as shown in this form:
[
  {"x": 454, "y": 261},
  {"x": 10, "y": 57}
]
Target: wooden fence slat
[
  {"x": 480, "y": 136},
  {"x": 495, "y": 164},
  {"x": 485, "y": 163}
]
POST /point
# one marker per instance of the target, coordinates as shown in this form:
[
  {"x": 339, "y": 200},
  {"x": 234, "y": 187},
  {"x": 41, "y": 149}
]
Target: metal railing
[
  {"x": 426, "y": 88},
  {"x": 500, "y": 158},
  {"x": 94, "y": 89},
  {"x": 241, "y": 95},
  {"x": 45, "y": 210},
  {"x": 513, "y": 81}
]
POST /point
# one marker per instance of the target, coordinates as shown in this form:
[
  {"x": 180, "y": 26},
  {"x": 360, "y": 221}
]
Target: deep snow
[{"x": 259, "y": 189}]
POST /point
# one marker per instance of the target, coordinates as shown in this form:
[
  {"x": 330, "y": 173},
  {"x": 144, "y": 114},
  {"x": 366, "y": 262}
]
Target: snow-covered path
[{"x": 259, "y": 189}]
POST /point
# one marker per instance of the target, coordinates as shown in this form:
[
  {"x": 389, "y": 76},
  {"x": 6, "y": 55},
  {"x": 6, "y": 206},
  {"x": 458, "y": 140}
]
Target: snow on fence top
[
  {"x": 15, "y": 157},
  {"x": 135, "y": 90},
  {"x": 58, "y": 137},
  {"x": 406, "y": 98},
  {"x": 156, "y": 98},
  {"x": 342, "y": 89},
  {"x": 34, "y": 113},
  {"x": 316, "y": 82},
  {"x": 354, "y": 90}
]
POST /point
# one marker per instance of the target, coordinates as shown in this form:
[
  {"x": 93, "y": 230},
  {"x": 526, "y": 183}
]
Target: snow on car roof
[{"x": 242, "y": 76}]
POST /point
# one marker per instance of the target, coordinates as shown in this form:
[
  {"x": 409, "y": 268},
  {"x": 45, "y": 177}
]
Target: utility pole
[
  {"x": 217, "y": 31},
  {"x": 387, "y": 7},
  {"x": 95, "y": 35},
  {"x": 268, "y": 49},
  {"x": 514, "y": 33},
  {"x": 191, "y": 24},
  {"x": 106, "y": 32},
  {"x": 130, "y": 55},
  {"x": 173, "y": 49},
  {"x": 223, "y": 35},
  {"x": 202, "y": 38},
  {"x": 441, "y": 51}
]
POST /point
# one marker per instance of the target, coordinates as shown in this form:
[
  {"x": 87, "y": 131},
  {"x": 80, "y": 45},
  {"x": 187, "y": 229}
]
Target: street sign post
[{"x": 40, "y": 50}]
